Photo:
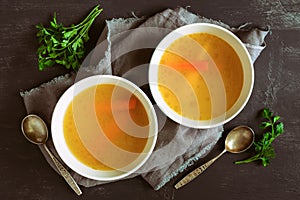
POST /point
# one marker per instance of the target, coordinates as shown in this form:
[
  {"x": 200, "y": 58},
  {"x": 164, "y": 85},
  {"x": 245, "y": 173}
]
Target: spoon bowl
[
  {"x": 35, "y": 131},
  {"x": 238, "y": 140}
]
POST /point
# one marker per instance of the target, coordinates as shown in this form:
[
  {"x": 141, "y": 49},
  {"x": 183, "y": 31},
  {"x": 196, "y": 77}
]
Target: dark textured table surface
[{"x": 24, "y": 173}]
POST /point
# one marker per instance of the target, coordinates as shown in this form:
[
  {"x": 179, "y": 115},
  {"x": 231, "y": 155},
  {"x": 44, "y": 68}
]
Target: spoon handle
[
  {"x": 196, "y": 172},
  {"x": 67, "y": 176}
]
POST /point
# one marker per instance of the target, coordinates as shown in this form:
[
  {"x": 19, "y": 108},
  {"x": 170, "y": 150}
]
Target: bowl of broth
[
  {"x": 201, "y": 75},
  {"x": 104, "y": 127}
]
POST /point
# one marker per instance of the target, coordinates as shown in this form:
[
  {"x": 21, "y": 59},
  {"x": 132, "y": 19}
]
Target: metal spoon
[
  {"x": 238, "y": 140},
  {"x": 35, "y": 131}
]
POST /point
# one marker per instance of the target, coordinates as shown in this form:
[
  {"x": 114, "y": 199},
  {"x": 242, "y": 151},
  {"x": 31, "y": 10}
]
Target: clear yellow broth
[
  {"x": 93, "y": 108},
  {"x": 196, "y": 67}
]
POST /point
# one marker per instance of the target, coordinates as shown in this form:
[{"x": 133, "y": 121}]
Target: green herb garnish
[
  {"x": 64, "y": 45},
  {"x": 273, "y": 128}
]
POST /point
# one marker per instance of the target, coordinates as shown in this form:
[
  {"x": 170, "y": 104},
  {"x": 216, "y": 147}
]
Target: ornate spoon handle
[
  {"x": 196, "y": 172},
  {"x": 67, "y": 176}
]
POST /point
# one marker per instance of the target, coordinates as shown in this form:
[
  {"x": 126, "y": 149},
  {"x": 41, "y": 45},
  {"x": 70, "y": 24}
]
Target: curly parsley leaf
[
  {"x": 64, "y": 45},
  {"x": 264, "y": 150}
]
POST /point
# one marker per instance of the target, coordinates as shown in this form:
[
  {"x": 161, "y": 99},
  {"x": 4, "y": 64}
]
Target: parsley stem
[
  {"x": 85, "y": 29},
  {"x": 93, "y": 14}
]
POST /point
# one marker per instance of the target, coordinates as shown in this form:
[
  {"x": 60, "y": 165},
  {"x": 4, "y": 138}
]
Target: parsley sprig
[
  {"x": 64, "y": 45},
  {"x": 273, "y": 128}
]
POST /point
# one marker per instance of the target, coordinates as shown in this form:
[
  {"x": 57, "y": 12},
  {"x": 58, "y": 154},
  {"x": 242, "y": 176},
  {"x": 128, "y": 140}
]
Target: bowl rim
[
  {"x": 155, "y": 60},
  {"x": 57, "y": 129}
]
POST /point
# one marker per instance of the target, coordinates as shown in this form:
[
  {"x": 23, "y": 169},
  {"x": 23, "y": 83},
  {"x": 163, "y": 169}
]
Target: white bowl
[
  {"x": 60, "y": 142},
  {"x": 242, "y": 53}
]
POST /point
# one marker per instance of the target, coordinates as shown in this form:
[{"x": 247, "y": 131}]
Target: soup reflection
[
  {"x": 200, "y": 76},
  {"x": 106, "y": 127}
]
